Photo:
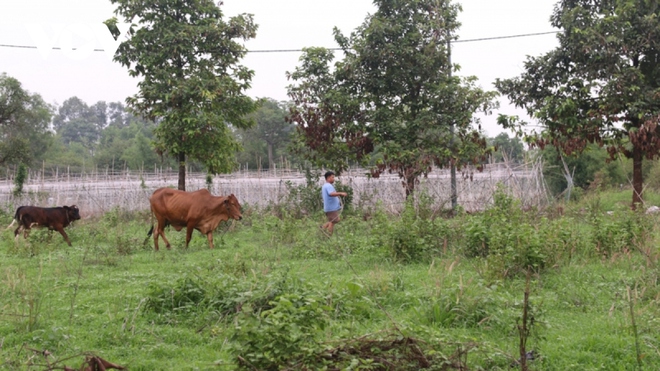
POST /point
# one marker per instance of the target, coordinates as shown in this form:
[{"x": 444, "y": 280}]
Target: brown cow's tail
[{"x": 151, "y": 231}]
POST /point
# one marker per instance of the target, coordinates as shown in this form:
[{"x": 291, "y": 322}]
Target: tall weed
[
  {"x": 22, "y": 299},
  {"x": 416, "y": 236},
  {"x": 618, "y": 231},
  {"x": 190, "y": 298},
  {"x": 285, "y": 335},
  {"x": 510, "y": 240}
]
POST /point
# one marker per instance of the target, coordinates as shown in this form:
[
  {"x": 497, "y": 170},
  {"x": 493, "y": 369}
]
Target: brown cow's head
[
  {"x": 233, "y": 207},
  {"x": 72, "y": 212}
]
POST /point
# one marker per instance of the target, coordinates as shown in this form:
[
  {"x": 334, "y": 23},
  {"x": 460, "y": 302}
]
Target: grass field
[{"x": 384, "y": 293}]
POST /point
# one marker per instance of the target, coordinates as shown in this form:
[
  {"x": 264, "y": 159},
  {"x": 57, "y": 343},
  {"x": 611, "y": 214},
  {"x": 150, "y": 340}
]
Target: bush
[
  {"x": 286, "y": 334},
  {"x": 415, "y": 236},
  {"x": 190, "y": 298},
  {"x": 19, "y": 180},
  {"x": 454, "y": 309},
  {"x": 618, "y": 231},
  {"x": 509, "y": 242}
]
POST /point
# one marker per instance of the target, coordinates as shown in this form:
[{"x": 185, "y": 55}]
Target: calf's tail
[
  {"x": 12, "y": 224},
  {"x": 17, "y": 217}
]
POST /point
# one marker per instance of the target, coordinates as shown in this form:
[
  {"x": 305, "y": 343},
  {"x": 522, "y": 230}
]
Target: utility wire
[
  {"x": 453, "y": 42},
  {"x": 334, "y": 49},
  {"x": 34, "y": 47}
]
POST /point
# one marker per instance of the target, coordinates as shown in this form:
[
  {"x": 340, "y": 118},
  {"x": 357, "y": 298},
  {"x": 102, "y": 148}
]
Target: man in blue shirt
[{"x": 331, "y": 204}]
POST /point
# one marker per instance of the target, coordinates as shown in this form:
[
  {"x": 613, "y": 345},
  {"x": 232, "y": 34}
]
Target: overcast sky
[{"x": 91, "y": 75}]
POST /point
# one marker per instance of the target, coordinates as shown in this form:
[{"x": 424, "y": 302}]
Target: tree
[
  {"x": 583, "y": 169},
  {"x": 77, "y": 122},
  {"x": 24, "y": 121},
  {"x": 100, "y": 113},
  {"x": 601, "y": 85},
  {"x": 512, "y": 148},
  {"x": 393, "y": 92},
  {"x": 271, "y": 130},
  {"x": 118, "y": 116},
  {"x": 128, "y": 146},
  {"x": 192, "y": 84}
]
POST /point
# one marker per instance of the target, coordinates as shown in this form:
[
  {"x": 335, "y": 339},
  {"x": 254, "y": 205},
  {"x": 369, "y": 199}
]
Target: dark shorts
[{"x": 333, "y": 216}]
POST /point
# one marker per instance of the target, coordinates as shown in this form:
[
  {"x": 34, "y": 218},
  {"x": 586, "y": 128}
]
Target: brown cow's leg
[
  {"x": 167, "y": 242},
  {"x": 160, "y": 230},
  {"x": 209, "y": 236},
  {"x": 189, "y": 231},
  {"x": 156, "y": 234},
  {"x": 156, "y": 239}
]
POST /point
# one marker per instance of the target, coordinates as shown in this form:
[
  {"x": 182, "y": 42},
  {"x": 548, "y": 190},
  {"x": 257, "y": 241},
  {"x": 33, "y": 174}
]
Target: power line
[
  {"x": 333, "y": 49},
  {"x": 34, "y": 47},
  {"x": 507, "y": 37},
  {"x": 453, "y": 42}
]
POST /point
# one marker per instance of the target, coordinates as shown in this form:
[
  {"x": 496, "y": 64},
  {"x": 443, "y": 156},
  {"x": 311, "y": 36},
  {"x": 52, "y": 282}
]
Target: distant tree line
[{"x": 76, "y": 136}]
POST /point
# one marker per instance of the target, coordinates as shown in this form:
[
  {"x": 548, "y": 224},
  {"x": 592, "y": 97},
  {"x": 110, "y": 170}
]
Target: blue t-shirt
[{"x": 330, "y": 203}]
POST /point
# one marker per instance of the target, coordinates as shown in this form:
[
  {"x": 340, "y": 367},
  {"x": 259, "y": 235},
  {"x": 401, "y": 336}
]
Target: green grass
[
  {"x": 612, "y": 200},
  {"x": 194, "y": 309}
]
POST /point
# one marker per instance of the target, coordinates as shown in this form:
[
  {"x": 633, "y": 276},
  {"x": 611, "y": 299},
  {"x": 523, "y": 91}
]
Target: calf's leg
[{"x": 66, "y": 238}]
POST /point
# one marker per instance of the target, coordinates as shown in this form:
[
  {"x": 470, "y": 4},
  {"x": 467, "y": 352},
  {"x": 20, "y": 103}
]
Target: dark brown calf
[{"x": 53, "y": 218}]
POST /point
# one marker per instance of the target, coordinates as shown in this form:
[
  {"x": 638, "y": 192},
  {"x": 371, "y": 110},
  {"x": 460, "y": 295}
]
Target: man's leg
[{"x": 333, "y": 219}]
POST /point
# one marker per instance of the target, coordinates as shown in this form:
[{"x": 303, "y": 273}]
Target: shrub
[
  {"x": 454, "y": 309},
  {"x": 19, "y": 180},
  {"x": 619, "y": 232},
  {"x": 184, "y": 297},
  {"x": 304, "y": 199},
  {"x": 286, "y": 334},
  {"x": 405, "y": 244},
  {"x": 413, "y": 237},
  {"x": 506, "y": 238},
  {"x": 189, "y": 298}
]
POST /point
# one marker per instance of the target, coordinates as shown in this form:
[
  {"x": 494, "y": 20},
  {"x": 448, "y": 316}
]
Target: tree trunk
[
  {"x": 182, "y": 171},
  {"x": 638, "y": 179},
  {"x": 410, "y": 185},
  {"x": 270, "y": 156}
]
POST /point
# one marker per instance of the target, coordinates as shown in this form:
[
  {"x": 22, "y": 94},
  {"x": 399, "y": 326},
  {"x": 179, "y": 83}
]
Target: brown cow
[
  {"x": 193, "y": 210},
  {"x": 53, "y": 218}
]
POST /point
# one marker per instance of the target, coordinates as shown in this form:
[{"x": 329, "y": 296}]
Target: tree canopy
[
  {"x": 269, "y": 137},
  {"x": 24, "y": 123},
  {"x": 505, "y": 147},
  {"x": 601, "y": 85},
  {"x": 393, "y": 95},
  {"x": 192, "y": 83}
]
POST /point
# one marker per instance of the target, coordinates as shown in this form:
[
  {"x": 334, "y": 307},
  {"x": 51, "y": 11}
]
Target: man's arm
[{"x": 335, "y": 194}]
